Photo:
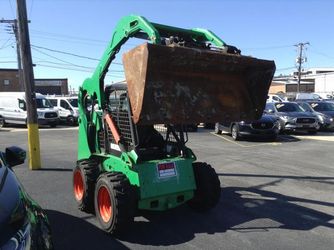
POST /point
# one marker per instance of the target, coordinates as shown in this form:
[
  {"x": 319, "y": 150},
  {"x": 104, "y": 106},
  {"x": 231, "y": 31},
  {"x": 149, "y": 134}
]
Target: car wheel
[
  {"x": 235, "y": 132},
  {"x": 217, "y": 130},
  {"x": 273, "y": 138},
  {"x": 209, "y": 125},
  {"x": 71, "y": 121},
  {"x": 2, "y": 122},
  {"x": 114, "y": 202}
]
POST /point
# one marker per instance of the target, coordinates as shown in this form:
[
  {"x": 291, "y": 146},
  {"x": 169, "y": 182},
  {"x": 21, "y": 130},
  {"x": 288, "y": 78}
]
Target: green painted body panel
[
  {"x": 121, "y": 164},
  {"x": 165, "y": 202},
  {"x": 165, "y": 188},
  {"x": 164, "y": 191}
]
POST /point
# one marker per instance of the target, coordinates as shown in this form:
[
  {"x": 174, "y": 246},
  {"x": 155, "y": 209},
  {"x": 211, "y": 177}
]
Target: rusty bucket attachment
[{"x": 189, "y": 85}]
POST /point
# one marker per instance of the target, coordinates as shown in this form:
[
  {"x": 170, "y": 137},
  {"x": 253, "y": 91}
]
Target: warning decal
[{"x": 166, "y": 169}]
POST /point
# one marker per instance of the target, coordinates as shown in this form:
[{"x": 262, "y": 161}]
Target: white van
[
  {"x": 13, "y": 109},
  {"x": 67, "y": 107},
  {"x": 308, "y": 96},
  {"x": 274, "y": 98}
]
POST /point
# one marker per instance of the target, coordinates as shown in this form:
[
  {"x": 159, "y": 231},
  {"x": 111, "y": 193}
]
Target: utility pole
[
  {"x": 28, "y": 79},
  {"x": 13, "y": 24},
  {"x": 300, "y": 60}
]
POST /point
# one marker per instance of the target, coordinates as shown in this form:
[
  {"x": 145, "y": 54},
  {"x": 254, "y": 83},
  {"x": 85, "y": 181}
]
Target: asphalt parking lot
[{"x": 275, "y": 195}]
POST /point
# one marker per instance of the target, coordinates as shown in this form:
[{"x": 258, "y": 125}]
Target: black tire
[
  {"x": 53, "y": 125},
  {"x": 84, "y": 179},
  {"x": 207, "y": 193},
  {"x": 217, "y": 130},
  {"x": 114, "y": 201},
  {"x": 312, "y": 132},
  {"x": 2, "y": 122},
  {"x": 194, "y": 128},
  {"x": 71, "y": 121},
  {"x": 209, "y": 125},
  {"x": 235, "y": 132}
]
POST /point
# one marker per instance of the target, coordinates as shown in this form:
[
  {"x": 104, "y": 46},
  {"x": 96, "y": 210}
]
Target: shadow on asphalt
[
  {"x": 326, "y": 179},
  {"x": 70, "y": 232},
  {"x": 237, "y": 210}
]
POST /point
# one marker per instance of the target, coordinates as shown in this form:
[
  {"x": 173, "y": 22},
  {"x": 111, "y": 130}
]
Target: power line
[
  {"x": 4, "y": 45},
  {"x": 8, "y": 61},
  {"x": 320, "y": 53},
  {"x": 282, "y": 69},
  {"x": 61, "y": 60},
  {"x": 11, "y": 7},
  {"x": 71, "y": 54},
  {"x": 102, "y": 42},
  {"x": 270, "y": 47},
  {"x": 31, "y": 6},
  {"x": 72, "y": 64},
  {"x": 74, "y": 69},
  {"x": 69, "y": 37},
  {"x": 79, "y": 66}
]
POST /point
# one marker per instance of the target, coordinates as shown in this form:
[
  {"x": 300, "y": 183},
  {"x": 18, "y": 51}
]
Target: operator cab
[{"x": 150, "y": 142}]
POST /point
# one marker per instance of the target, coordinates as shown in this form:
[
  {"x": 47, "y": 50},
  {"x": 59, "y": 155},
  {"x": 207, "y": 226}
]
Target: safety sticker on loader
[{"x": 166, "y": 169}]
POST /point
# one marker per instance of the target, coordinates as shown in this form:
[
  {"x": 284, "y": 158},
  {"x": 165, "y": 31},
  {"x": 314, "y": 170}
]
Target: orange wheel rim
[
  {"x": 104, "y": 204},
  {"x": 78, "y": 185}
]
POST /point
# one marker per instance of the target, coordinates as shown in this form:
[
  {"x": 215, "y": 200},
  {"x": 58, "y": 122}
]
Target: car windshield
[
  {"x": 73, "y": 102},
  {"x": 43, "y": 103},
  {"x": 322, "y": 106},
  {"x": 288, "y": 107},
  {"x": 306, "y": 107}
]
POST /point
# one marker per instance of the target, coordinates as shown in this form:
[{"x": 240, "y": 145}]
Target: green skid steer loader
[{"x": 132, "y": 152}]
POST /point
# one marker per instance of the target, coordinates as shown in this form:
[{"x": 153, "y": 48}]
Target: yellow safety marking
[
  {"x": 319, "y": 137},
  {"x": 34, "y": 149},
  {"x": 247, "y": 146}
]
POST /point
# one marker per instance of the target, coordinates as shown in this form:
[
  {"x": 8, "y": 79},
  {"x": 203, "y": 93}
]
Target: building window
[{"x": 6, "y": 82}]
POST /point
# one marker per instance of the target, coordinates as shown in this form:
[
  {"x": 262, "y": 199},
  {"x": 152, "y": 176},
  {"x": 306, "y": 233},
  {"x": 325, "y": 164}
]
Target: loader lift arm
[
  {"x": 140, "y": 27},
  {"x": 203, "y": 80}
]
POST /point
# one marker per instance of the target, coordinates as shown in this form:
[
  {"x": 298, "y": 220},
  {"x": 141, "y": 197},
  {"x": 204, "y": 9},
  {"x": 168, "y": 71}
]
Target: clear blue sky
[{"x": 266, "y": 29}]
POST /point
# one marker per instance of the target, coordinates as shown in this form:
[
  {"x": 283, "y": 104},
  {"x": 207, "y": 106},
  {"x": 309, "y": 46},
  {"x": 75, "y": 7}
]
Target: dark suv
[
  {"x": 293, "y": 117},
  {"x": 324, "y": 113},
  {"x": 267, "y": 127}
]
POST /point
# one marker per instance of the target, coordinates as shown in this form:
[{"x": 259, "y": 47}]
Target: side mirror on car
[{"x": 15, "y": 156}]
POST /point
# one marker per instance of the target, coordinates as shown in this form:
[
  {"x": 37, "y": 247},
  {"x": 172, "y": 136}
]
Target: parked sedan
[
  {"x": 325, "y": 107},
  {"x": 23, "y": 223},
  {"x": 267, "y": 127},
  {"x": 292, "y": 117},
  {"x": 325, "y": 120}
]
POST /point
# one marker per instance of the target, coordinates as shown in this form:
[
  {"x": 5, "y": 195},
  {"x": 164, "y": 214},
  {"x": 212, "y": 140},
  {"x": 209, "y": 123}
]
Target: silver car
[{"x": 293, "y": 117}]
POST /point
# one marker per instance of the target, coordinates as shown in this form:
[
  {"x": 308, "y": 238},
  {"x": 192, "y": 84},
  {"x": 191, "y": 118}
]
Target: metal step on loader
[{"x": 132, "y": 152}]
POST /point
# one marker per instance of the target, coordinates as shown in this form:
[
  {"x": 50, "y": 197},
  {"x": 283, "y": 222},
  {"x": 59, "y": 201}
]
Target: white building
[
  {"x": 320, "y": 80},
  {"x": 323, "y": 79}
]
